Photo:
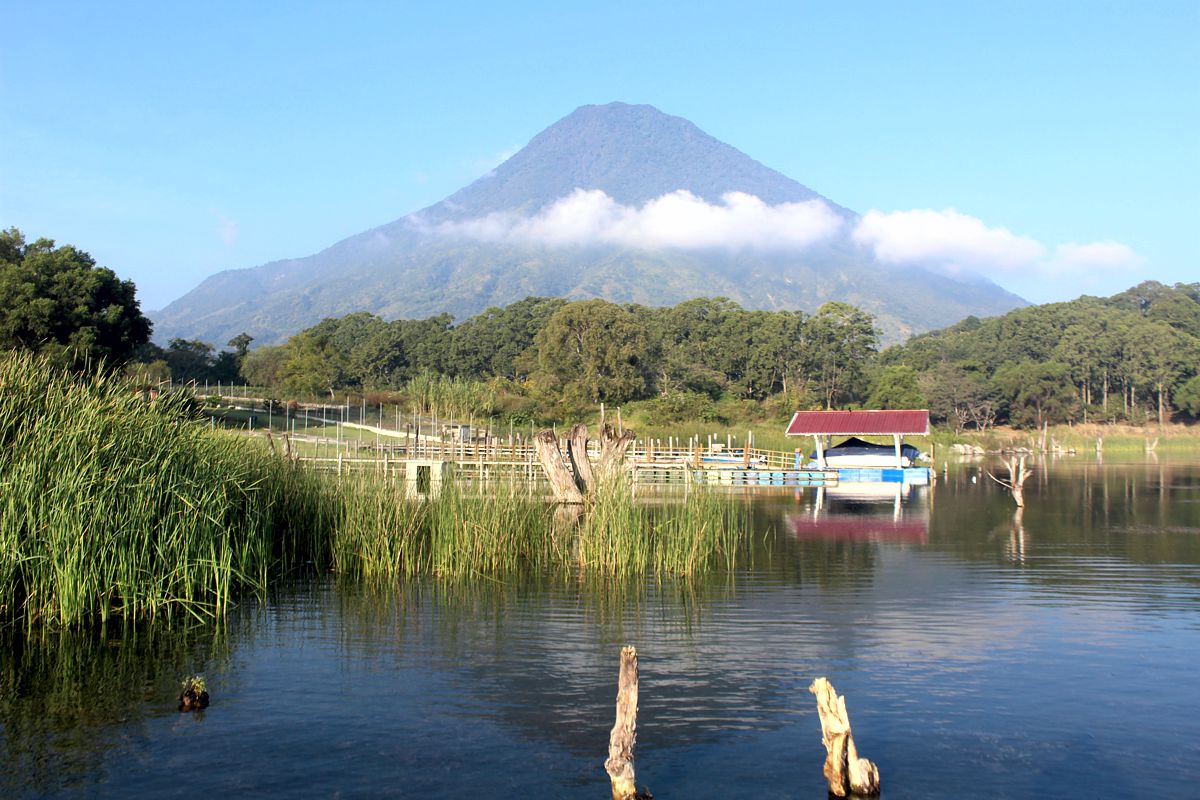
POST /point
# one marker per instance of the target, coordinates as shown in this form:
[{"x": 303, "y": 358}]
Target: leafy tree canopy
[{"x": 55, "y": 300}]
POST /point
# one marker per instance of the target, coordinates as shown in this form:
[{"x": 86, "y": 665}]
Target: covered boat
[{"x": 854, "y": 453}]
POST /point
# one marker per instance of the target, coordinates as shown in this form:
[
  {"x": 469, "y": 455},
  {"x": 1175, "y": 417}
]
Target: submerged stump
[
  {"x": 194, "y": 695},
  {"x": 846, "y": 773}
]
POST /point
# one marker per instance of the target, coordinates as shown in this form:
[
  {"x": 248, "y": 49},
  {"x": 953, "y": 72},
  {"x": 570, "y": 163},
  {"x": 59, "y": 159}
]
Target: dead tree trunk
[
  {"x": 575, "y": 477},
  {"x": 577, "y": 453},
  {"x": 562, "y": 479},
  {"x": 844, "y": 770},
  {"x": 1018, "y": 473},
  {"x": 613, "y": 447},
  {"x": 619, "y": 765}
]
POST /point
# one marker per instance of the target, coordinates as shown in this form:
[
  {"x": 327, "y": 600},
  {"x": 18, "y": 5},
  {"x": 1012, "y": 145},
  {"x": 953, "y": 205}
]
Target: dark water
[{"x": 981, "y": 656}]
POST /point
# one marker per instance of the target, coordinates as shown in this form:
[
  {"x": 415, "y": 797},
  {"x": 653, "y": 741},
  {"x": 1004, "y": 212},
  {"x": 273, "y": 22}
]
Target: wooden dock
[{"x": 647, "y": 463}]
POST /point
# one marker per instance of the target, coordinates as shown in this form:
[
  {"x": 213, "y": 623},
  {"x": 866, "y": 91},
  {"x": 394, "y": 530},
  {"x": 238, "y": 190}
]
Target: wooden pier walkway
[{"x": 646, "y": 463}]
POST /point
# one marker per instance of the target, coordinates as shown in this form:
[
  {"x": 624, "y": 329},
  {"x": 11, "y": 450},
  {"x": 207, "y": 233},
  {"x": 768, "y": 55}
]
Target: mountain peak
[
  {"x": 633, "y": 153},
  {"x": 417, "y": 266}
]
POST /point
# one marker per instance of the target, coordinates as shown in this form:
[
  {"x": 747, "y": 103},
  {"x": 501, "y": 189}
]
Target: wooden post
[
  {"x": 619, "y": 765},
  {"x": 844, "y": 770}
]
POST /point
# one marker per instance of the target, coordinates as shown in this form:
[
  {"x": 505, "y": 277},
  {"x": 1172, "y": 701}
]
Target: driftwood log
[
  {"x": 574, "y": 477},
  {"x": 844, "y": 770},
  {"x": 619, "y": 765}
]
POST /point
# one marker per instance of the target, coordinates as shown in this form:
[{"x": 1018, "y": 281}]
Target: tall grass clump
[
  {"x": 433, "y": 392},
  {"x": 620, "y": 535},
  {"x": 386, "y": 533},
  {"x": 115, "y": 505}
]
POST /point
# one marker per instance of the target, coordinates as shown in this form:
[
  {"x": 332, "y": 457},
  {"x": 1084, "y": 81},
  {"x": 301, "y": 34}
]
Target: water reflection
[
  {"x": 982, "y": 652},
  {"x": 863, "y": 512},
  {"x": 70, "y": 700}
]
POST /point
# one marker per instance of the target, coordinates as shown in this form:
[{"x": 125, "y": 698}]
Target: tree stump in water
[
  {"x": 613, "y": 447},
  {"x": 619, "y": 765},
  {"x": 194, "y": 696},
  {"x": 562, "y": 479},
  {"x": 844, "y": 770},
  {"x": 577, "y": 455},
  {"x": 1018, "y": 473},
  {"x": 574, "y": 477}
]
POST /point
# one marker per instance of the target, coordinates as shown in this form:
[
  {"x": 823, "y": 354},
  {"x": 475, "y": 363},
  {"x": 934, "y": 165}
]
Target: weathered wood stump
[
  {"x": 562, "y": 479},
  {"x": 194, "y": 696},
  {"x": 574, "y": 477},
  {"x": 619, "y": 765},
  {"x": 844, "y": 770}
]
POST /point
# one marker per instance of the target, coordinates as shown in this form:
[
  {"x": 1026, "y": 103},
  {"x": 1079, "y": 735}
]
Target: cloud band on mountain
[
  {"x": 677, "y": 220},
  {"x": 680, "y": 220}
]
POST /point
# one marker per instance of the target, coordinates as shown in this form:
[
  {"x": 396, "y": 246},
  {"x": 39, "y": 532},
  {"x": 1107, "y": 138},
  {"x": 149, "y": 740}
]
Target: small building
[{"x": 856, "y": 454}]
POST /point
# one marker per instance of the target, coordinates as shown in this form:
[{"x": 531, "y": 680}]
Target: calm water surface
[{"x": 981, "y": 656}]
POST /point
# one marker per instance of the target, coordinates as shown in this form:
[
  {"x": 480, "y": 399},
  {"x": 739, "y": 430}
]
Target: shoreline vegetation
[{"x": 119, "y": 506}]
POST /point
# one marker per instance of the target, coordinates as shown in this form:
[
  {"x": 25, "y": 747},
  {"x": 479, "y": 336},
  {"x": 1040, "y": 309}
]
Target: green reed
[
  {"x": 385, "y": 532},
  {"x": 115, "y": 505},
  {"x": 621, "y": 535}
]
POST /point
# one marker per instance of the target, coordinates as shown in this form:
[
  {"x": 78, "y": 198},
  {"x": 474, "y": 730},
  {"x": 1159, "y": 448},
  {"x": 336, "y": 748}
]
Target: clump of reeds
[
  {"x": 115, "y": 504},
  {"x": 620, "y": 535},
  {"x": 385, "y": 532}
]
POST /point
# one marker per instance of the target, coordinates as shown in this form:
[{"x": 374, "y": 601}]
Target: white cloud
[
  {"x": 1105, "y": 254},
  {"x": 944, "y": 237},
  {"x": 227, "y": 229},
  {"x": 678, "y": 220},
  {"x": 489, "y": 163},
  {"x": 962, "y": 242}
]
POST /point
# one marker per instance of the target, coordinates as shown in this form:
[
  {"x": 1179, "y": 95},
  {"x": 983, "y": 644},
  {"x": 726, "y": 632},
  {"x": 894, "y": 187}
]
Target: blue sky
[{"x": 173, "y": 141}]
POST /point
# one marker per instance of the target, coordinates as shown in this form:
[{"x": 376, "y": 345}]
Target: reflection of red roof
[
  {"x": 859, "y": 423},
  {"x": 860, "y": 529}
]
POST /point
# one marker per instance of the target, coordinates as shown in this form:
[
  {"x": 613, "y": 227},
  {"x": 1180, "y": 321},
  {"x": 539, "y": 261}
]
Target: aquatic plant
[
  {"x": 113, "y": 504},
  {"x": 116, "y": 505}
]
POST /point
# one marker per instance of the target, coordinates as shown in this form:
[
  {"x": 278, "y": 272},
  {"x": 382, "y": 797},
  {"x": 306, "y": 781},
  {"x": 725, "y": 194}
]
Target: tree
[
  {"x": 896, "y": 387},
  {"x": 839, "y": 340},
  {"x": 189, "y": 360},
  {"x": 1188, "y": 397},
  {"x": 490, "y": 344},
  {"x": 590, "y": 351},
  {"x": 1037, "y": 393},
  {"x": 55, "y": 300},
  {"x": 957, "y": 395},
  {"x": 261, "y": 366}
]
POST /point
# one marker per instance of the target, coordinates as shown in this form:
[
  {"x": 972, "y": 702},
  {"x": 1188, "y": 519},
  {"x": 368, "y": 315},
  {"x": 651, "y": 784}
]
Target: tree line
[
  {"x": 1131, "y": 357},
  {"x": 571, "y": 355}
]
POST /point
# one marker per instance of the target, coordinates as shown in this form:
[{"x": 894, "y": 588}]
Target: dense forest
[{"x": 1132, "y": 357}]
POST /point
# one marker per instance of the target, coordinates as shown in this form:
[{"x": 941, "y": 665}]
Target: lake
[{"x": 980, "y": 656}]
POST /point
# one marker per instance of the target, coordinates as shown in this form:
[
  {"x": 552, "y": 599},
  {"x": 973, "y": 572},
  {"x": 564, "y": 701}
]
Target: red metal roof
[{"x": 859, "y": 423}]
